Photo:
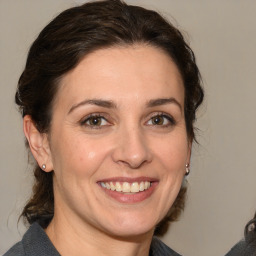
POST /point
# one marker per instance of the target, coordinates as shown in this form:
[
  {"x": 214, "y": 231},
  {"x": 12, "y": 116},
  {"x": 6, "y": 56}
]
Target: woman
[
  {"x": 108, "y": 98},
  {"x": 246, "y": 247}
]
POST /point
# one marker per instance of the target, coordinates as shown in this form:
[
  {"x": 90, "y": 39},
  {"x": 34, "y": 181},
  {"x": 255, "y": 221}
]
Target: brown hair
[{"x": 60, "y": 47}]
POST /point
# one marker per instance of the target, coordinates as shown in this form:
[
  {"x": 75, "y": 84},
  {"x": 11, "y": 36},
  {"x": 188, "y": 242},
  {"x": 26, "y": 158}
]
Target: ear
[
  {"x": 189, "y": 152},
  {"x": 38, "y": 143}
]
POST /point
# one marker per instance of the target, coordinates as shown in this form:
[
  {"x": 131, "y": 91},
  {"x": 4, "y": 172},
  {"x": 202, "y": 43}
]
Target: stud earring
[
  {"x": 187, "y": 170},
  {"x": 43, "y": 166}
]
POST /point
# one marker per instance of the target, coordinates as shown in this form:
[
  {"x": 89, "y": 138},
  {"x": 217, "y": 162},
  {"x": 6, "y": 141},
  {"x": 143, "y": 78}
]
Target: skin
[{"x": 128, "y": 141}]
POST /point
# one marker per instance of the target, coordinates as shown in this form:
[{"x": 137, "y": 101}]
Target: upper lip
[{"x": 129, "y": 179}]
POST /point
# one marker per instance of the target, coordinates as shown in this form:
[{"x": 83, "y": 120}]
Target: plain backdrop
[{"x": 222, "y": 191}]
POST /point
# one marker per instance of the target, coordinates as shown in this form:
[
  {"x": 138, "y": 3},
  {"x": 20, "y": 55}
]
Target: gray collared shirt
[
  {"x": 247, "y": 246},
  {"x": 35, "y": 242}
]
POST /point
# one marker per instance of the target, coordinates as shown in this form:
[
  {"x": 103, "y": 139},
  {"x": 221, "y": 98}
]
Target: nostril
[{"x": 133, "y": 164}]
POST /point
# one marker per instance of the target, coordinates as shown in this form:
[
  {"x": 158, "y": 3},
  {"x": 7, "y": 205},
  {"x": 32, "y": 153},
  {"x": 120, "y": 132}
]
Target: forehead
[{"x": 123, "y": 73}]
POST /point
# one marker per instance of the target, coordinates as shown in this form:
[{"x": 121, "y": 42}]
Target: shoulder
[
  {"x": 34, "y": 242},
  {"x": 16, "y": 250},
  {"x": 158, "y": 248},
  {"x": 247, "y": 246},
  {"x": 237, "y": 249}
]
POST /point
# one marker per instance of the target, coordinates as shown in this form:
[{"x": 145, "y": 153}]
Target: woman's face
[{"x": 118, "y": 141}]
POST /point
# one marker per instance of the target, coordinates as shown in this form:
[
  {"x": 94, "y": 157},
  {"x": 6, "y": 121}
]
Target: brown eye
[
  {"x": 161, "y": 120},
  {"x": 158, "y": 120},
  {"x": 94, "y": 121}
]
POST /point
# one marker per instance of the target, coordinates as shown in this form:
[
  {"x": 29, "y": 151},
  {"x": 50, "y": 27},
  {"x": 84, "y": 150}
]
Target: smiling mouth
[{"x": 126, "y": 187}]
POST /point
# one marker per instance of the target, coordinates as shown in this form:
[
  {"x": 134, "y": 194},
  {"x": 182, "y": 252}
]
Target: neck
[{"x": 73, "y": 237}]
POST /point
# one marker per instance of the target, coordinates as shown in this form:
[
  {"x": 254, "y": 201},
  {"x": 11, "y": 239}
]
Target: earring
[
  {"x": 43, "y": 166},
  {"x": 187, "y": 170}
]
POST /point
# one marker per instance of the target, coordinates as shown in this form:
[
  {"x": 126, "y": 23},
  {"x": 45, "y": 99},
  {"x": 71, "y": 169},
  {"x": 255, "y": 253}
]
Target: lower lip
[{"x": 131, "y": 198}]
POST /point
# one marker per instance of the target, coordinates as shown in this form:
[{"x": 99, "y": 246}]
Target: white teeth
[
  {"x": 147, "y": 185},
  {"x": 126, "y": 187},
  {"x": 112, "y": 187},
  {"x": 135, "y": 187},
  {"x": 142, "y": 186},
  {"x": 103, "y": 184},
  {"x": 118, "y": 187}
]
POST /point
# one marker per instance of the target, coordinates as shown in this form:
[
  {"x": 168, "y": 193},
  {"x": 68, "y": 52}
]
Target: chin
[
  {"x": 133, "y": 233},
  {"x": 132, "y": 227}
]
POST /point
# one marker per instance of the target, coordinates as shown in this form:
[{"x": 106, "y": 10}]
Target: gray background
[{"x": 222, "y": 191}]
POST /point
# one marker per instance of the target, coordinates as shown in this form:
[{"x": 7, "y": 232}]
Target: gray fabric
[
  {"x": 243, "y": 248},
  {"x": 238, "y": 249},
  {"x": 158, "y": 248},
  {"x": 35, "y": 242},
  {"x": 247, "y": 246}
]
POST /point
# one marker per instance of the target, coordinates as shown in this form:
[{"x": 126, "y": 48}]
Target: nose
[{"x": 132, "y": 148}]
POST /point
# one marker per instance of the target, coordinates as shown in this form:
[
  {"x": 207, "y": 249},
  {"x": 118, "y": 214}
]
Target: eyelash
[
  {"x": 170, "y": 120},
  {"x": 95, "y": 116}
]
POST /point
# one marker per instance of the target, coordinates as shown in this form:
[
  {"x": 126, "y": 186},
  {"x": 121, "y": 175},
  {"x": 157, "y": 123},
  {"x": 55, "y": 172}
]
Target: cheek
[
  {"x": 173, "y": 155},
  {"x": 78, "y": 156}
]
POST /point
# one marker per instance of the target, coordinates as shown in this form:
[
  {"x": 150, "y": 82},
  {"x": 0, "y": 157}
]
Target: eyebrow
[
  {"x": 164, "y": 101},
  {"x": 97, "y": 102},
  {"x": 111, "y": 104}
]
